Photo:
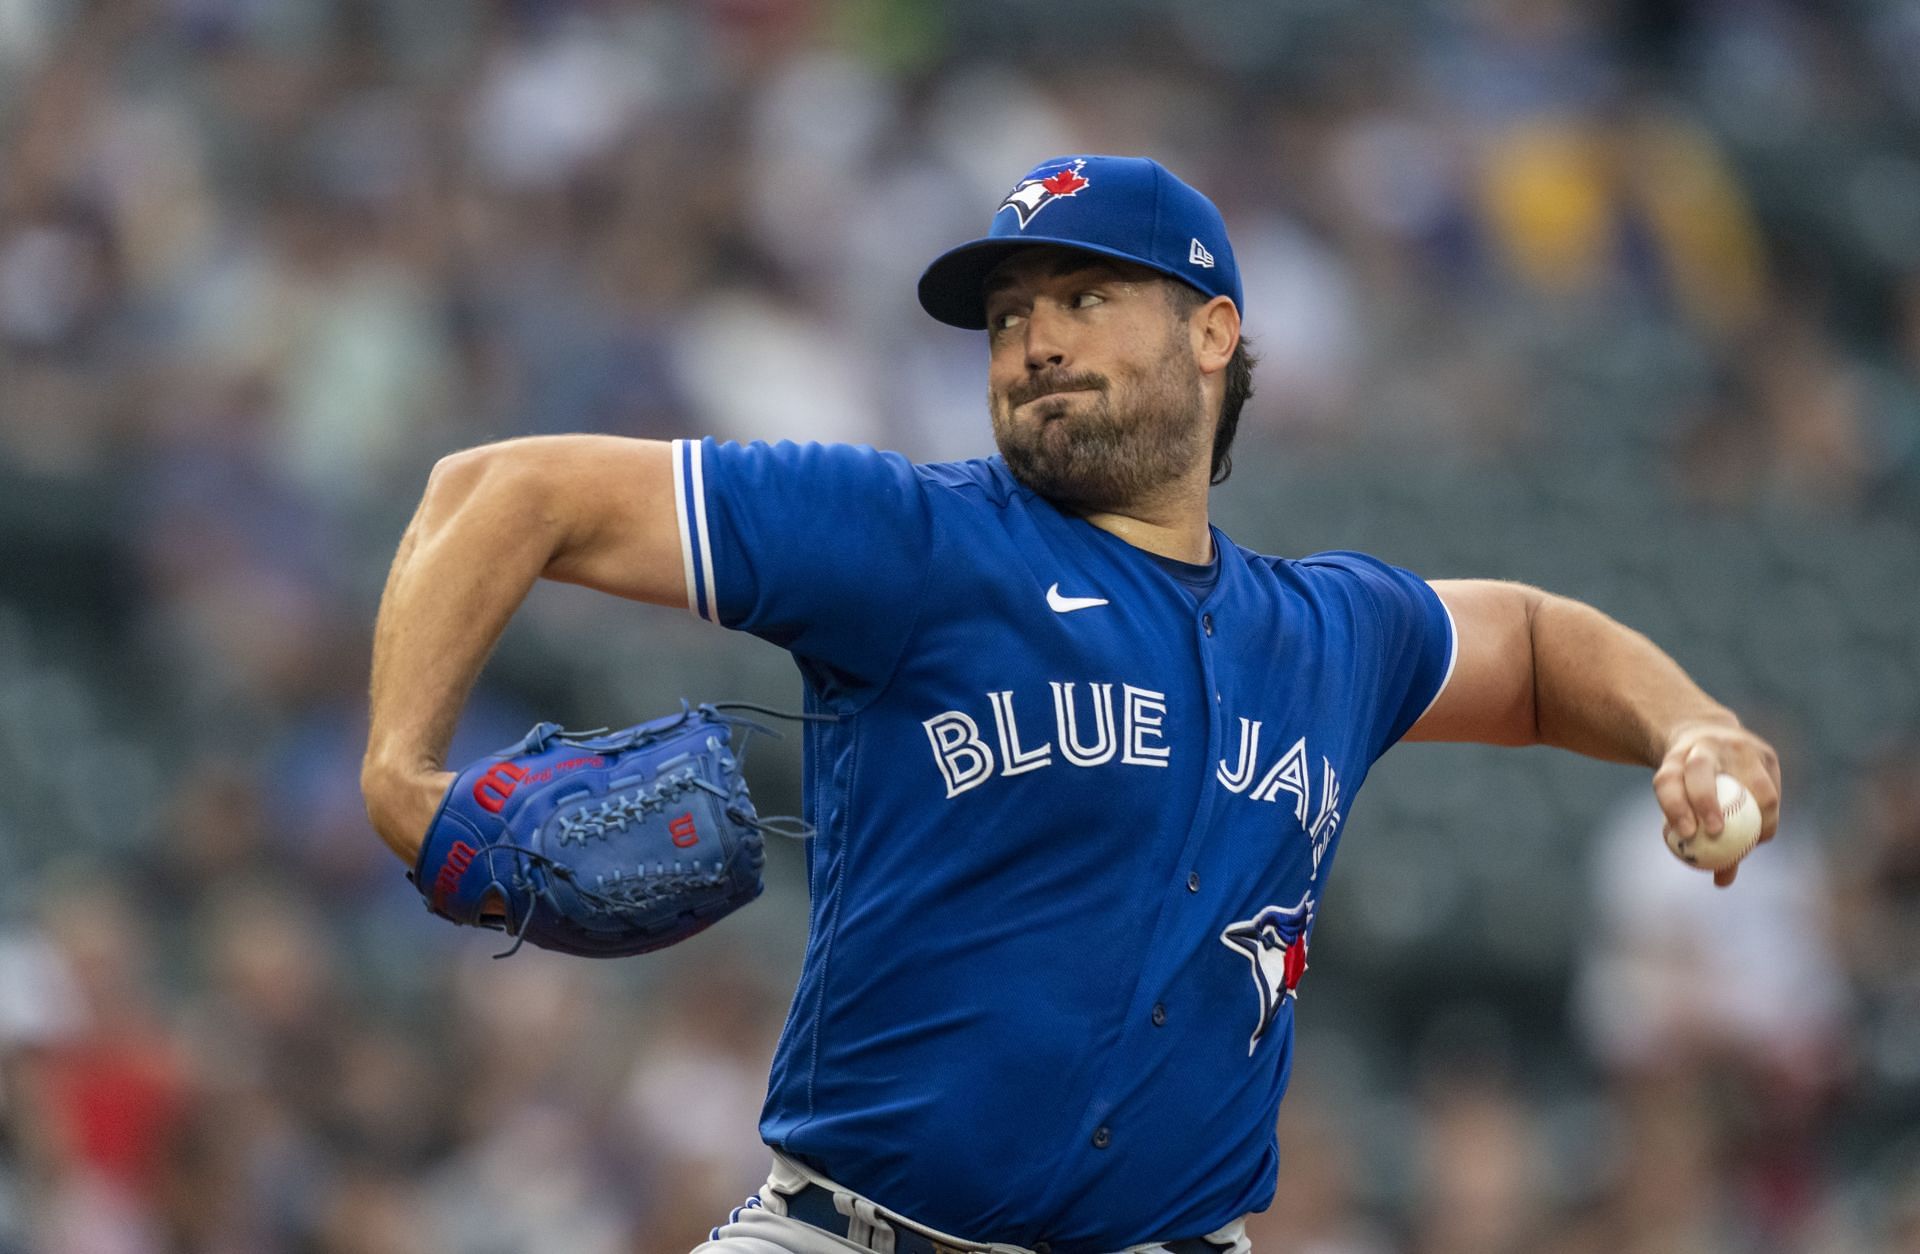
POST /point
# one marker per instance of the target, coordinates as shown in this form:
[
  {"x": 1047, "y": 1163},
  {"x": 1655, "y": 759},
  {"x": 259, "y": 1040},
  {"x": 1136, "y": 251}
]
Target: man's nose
[{"x": 1047, "y": 338}]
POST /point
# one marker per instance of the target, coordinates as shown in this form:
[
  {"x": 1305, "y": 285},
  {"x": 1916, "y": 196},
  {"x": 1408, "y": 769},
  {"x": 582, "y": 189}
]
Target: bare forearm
[
  {"x": 1533, "y": 668},
  {"x": 1604, "y": 690},
  {"x": 477, "y": 543}
]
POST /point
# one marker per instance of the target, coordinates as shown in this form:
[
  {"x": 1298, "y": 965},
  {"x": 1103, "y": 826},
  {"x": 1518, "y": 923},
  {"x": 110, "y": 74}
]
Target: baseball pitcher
[{"x": 1078, "y": 764}]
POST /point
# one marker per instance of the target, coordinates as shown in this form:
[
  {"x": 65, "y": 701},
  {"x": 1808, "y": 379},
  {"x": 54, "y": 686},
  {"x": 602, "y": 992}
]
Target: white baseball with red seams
[{"x": 1741, "y": 815}]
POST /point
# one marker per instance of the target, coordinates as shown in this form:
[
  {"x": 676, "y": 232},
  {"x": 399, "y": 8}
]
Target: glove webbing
[{"x": 614, "y": 813}]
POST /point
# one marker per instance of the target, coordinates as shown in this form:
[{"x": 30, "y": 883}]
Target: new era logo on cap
[{"x": 1126, "y": 208}]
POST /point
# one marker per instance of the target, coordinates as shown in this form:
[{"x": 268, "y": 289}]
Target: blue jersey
[{"x": 1074, "y": 827}]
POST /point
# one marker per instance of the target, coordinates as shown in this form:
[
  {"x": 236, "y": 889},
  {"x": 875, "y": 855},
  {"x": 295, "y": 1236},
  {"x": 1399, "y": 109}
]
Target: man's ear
[{"x": 1215, "y": 331}]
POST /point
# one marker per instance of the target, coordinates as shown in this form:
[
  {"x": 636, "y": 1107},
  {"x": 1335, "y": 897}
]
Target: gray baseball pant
[{"x": 763, "y": 1227}]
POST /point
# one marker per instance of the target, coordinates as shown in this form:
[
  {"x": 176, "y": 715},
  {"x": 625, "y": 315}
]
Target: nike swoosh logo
[{"x": 1067, "y": 605}]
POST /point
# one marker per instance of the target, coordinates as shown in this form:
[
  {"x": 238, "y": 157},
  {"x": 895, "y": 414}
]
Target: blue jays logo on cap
[
  {"x": 1044, "y": 186},
  {"x": 1275, "y": 942},
  {"x": 1131, "y": 209}
]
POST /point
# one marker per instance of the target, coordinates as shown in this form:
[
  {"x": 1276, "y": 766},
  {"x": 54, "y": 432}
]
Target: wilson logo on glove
[
  {"x": 602, "y": 844},
  {"x": 494, "y": 789},
  {"x": 459, "y": 858}
]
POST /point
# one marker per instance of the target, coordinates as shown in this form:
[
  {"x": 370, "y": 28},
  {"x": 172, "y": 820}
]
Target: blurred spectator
[
  {"x": 1481, "y": 1188},
  {"x": 1691, "y": 995},
  {"x": 39, "y": 1010},
  {"x": 1669, "y": 1190},
  {"x": 693, "y": 1101},
  {"x": 1639, "y": 206},
  {"x": 114, "y": 1093},
  {"x": 532, "y": 1070},
  {"x": 1676, "y": 970}
]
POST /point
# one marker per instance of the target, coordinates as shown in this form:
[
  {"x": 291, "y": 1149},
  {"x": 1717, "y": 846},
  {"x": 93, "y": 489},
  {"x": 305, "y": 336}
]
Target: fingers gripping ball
[
  {"x": 1740, "y": 814},
  {"x": 599, "y": 845}
]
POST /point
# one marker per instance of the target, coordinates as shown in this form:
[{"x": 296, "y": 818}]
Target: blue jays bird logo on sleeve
[{"x": 1275, "y": 942}]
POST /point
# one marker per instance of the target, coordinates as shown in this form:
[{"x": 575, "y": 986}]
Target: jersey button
[
  {"x": 1102, "y": 1138},
  {"x": 1206, "y": 623},
  {"x": 1193, "y": 881},
  {"x": 1159, "y": 1015}
]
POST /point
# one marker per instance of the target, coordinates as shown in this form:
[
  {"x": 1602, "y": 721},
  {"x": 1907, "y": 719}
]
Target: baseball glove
[{"x": 599, "y": 844}]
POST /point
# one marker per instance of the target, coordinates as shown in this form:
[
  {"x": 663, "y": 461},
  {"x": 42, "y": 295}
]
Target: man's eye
[
  {"x": 1086, "y": 300},
  {"x": 1003, "y": 322}
]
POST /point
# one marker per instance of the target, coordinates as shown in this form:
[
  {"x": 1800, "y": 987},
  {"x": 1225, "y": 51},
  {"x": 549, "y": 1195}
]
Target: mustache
[{"x": 1048, "y": 382}]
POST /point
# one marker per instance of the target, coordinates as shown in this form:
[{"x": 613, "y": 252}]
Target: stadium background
[{"x": 1619, "y": 298}]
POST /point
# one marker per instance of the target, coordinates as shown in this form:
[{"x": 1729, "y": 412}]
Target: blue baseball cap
[{"x": 1132, "y": 208}]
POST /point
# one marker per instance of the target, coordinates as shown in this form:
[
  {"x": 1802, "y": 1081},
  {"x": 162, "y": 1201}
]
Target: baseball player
[{"x": 1088, "y": 761}]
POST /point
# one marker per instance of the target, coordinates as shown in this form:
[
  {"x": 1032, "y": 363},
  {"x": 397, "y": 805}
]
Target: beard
[{"x": 1118, "y": 446}]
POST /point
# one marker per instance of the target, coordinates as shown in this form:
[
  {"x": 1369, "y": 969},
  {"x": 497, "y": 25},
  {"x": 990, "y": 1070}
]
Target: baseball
[{"x": 1736, "y": 839}]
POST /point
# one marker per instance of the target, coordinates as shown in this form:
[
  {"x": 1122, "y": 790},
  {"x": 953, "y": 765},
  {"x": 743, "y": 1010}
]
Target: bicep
[
  {"x": 611, "y": 500},
  {"x": 1489, "y": 699}
]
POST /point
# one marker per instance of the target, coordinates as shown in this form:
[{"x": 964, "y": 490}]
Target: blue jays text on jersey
[{"x": 1074, "y": 825}]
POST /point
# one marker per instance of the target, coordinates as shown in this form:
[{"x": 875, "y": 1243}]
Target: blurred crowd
[{"x": 1622, "y": 298}]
